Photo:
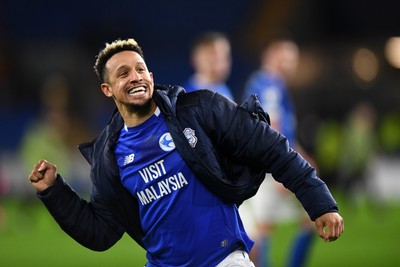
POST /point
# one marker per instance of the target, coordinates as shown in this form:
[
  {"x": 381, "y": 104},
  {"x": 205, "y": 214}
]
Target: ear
[{"x": 106, "y": 88}]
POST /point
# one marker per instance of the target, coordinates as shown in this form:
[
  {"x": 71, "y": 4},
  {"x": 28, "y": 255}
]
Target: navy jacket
[{"x": 230, "y": 151}]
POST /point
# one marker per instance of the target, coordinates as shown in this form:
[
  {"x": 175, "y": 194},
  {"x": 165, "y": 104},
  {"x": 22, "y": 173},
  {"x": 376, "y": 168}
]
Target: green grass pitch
[{"x": 30, "y": 237}]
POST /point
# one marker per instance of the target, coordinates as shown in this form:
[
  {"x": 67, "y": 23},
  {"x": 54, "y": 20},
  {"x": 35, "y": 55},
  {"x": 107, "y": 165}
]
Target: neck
[
  {"x": 136, "y": 116},
  {"x": 272, "y": 70},
  {"x": 204, "y": 79}
]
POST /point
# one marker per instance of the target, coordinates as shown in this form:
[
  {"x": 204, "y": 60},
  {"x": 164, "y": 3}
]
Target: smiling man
[{"x": 171, "y": 168}]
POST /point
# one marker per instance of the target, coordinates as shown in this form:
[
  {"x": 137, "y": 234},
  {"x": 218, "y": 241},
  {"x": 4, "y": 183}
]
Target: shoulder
[
  {"x": 207, "y": 107},
  {"x": 196, "y": 97},
  {"x": 205, "y": 98}
]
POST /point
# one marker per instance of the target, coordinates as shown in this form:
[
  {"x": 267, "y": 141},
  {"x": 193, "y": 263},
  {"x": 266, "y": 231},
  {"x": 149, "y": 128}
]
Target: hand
[
  {"x": 334, "y": 225},
  {"x": 43, "y": 175}
]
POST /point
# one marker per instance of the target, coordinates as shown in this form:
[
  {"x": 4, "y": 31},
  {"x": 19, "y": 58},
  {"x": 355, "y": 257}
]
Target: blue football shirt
[
  {"x": 192, "y": 85},
  {"x": 184, "y": 224},
  {"x": 275, "y": 99}
]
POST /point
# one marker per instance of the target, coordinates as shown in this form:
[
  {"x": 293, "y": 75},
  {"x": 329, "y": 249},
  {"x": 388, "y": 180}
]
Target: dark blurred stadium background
[
  {"x": 350, "y": 54},
  {"x": 345, "y": 60}
]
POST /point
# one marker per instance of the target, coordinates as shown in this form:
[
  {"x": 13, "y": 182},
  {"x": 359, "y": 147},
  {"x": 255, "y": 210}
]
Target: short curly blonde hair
[{"x": 111, "y": 49}]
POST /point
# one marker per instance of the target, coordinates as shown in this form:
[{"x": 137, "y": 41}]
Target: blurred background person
[
  {"x": 272, "y": 204},
  {"x": 3, "y": 190},
  {"x": 211, "y": 60},
  {"x": 52, "y": 126},
  {"x": 359, "y": 146},
  {"x": 55, "y": 131}
]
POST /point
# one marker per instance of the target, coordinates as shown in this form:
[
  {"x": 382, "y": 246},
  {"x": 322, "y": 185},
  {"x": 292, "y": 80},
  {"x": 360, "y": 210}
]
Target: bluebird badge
[{"x": 190, "y": 136}]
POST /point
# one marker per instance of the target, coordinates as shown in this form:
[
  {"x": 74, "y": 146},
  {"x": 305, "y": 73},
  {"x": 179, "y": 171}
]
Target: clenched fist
[
  {"x": 330, "y": 226},
  {"x": 43, "y": 175}
]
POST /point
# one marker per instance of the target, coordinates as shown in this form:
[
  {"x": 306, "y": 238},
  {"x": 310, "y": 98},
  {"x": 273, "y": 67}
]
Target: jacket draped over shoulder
[{"x": 229, "y": 147}]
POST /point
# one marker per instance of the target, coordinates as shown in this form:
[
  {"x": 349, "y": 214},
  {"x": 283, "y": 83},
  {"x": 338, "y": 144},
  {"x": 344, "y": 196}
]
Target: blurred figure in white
[{"x": 273, "y": 204}]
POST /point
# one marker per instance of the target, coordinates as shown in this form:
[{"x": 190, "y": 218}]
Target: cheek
[
  {"x": 120, "y": 85},
  {"x": 150, "y": 77}
]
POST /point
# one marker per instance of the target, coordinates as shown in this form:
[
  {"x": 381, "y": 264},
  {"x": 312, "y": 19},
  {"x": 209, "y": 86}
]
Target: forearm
[
  {"x": 255, "y": 143},
  {"x": 90, "y": 224},
  {"x": 296, "y": 174},
  {"x": 271, "y": 151}
]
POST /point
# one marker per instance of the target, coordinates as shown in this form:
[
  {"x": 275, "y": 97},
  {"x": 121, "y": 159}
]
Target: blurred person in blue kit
[
  {"x": 171, "y": 168},
  {"x": 211, "y": 60},
  {"x": 273, "y": 203}
]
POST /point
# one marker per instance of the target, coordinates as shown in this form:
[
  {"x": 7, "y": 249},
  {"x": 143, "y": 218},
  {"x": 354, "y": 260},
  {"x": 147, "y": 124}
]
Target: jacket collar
[{"x": 166, "y": 97}]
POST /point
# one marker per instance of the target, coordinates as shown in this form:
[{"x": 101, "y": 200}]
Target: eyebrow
[
  {"x": 128, "y": 66},
  {"x": 121, "y": 67}
]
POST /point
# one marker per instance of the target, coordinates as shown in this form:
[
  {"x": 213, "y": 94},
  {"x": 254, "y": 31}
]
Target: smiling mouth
[{"x": 136, "y": 90}]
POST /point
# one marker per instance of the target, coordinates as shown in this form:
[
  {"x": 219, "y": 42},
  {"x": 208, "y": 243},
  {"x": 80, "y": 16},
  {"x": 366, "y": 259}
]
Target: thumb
[
  {"x": 44, "y": 165},
  {"x": 47, "y": 169},
  {"x": 320, "y": 229}
]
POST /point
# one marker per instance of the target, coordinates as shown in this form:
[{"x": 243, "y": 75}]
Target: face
[
  {"x": 213, "y": 60},
  {"x": 128, "y": 81},
  {"x": 289, "y": 57}
]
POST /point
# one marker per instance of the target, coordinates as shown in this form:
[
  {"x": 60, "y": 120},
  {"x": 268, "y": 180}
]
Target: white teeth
[{"x": 136, "y": 90}]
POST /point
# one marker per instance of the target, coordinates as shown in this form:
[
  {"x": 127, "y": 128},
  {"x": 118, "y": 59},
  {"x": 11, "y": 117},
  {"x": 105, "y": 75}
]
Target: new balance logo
[{"x": 129, "y": 159}]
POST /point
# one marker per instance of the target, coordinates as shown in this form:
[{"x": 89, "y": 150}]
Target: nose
[{"x": 135, "y": 76}]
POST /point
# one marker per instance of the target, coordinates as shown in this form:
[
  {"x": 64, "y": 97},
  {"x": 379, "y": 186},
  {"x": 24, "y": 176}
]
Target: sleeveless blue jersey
[{"x": 184, "y": 224}]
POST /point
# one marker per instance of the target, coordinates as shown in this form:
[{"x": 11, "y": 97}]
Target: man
[
  {"x": 170, "y": 168},
  {"x": 272, "y": 204},
  {"x": 211, "y": 61}
]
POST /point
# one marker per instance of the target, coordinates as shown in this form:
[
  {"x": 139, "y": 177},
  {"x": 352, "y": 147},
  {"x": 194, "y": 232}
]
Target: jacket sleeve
[
  {"x": 255, "y": 143},
  {"x": 89, "y": 223}
]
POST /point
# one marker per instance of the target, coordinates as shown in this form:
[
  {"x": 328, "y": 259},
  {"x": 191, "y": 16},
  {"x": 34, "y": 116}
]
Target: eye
[
  {"x": 141, "y": 68},
  {"x": 123, "y": 74}
]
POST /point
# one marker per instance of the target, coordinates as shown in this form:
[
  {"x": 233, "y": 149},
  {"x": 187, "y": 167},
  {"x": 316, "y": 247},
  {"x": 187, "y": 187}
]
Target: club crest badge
[
  {"x": 166, "y": 142},
  {"x": 190, "y": 136}
]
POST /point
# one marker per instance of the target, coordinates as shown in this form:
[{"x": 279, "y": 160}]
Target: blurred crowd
[
  {"x": 49, "y": 104},
  {"x": 346, "y": 96}
]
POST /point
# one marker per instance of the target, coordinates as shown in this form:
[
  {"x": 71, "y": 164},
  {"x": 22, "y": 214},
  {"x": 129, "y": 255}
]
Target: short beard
[{"x": 141, "y": 109}]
